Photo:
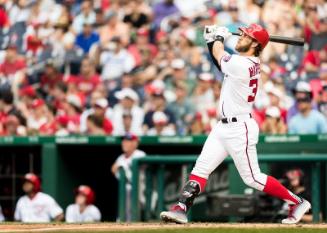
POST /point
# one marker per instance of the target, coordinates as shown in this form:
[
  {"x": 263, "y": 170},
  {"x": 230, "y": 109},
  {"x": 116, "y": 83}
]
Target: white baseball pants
[{"x": 237, "y": 139}]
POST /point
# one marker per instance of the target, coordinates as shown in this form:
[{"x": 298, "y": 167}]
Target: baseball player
[
  {"x": 83, "y": 210},
  {"x": 36, "y": 206},
  {"x": 237, "y": 132},
  {"x": 129, "y": 145}
]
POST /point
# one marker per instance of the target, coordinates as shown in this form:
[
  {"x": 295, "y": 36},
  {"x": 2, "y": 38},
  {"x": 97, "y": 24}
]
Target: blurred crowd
[{"x": 108, "y": 67}]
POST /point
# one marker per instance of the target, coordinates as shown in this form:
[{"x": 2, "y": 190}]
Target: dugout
[{"x": 66, "y": 162}]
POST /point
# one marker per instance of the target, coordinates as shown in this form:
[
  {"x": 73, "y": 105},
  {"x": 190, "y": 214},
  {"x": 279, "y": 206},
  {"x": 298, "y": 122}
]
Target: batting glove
[
  {"x": 209, "y": 33},
  {"x": 222, "y": 33}
]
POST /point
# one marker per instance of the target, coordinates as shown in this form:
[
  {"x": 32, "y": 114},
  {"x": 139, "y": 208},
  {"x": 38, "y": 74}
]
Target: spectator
[
  {"x": 97, "y": 121},
  {"x": 197, "y": 126},
  {"x": 307, "y": 120},
  {"x": 159, "y": 105},
  {"x": 88, "y": 79},
  {"x": 129, "y": 146},
  {"x": 87, "y": 38},
  {"x": 114, "y": 28},
  {"x": 50, "y": 77},
  {"x": 28, "y": 206},
  {"x": 128, "y": 102},
  {"x": 12, "y": 63},
  {"x": 163, "y": 9},
  {"x": 115, "y": 60},
  {"x": 161, "y": 127},
  {"x": 203, "y": 96},
  {"x": 142, "y": 44},
  {"x": 273, "y": 124},
  {"x": 182, "y": 108},
  {"x": 87, "y": 16},
  {"x": 136, "y": 18},
  {"x": 83, "y": 209}
]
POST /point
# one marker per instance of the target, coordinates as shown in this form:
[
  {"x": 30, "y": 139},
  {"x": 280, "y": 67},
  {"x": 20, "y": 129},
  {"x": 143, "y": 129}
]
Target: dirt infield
[{"x": 114, "y": 227}]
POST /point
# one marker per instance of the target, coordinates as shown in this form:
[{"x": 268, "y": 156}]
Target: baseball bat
[{"x": 281, "y": 39}]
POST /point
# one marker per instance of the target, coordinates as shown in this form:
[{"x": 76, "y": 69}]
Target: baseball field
[{"x": 164, "y": 228}]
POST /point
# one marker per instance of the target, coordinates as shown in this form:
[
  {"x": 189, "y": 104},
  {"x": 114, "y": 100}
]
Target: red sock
[
  {"x": 201, "y": 181},
  {"x": 275, "y": 188}
]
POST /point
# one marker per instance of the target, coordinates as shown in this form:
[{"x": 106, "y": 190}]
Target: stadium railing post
[
  {"x": 148, "y": 193},
  {"x": 122, "y": 195},
  {"x": 135, "y": 191},
  {"x": 161, "y": 188},
  {"x": 315, "y": 180}
]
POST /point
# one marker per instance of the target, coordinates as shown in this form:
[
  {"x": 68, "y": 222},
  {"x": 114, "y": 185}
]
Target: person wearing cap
[
  {"x": 83, "y": 210},
  {"x": 161, "y": 127},
  {"x": 159, "y": 104},
  {"x": 129, "y": 146},
  {"x": 307, "y": 120},
  {"x": 300, "y": 91},
  {"x": 87, "y": 37},
  {"x": 142, "y": 44},
  {"x": 36, "y": 206},
  {"x": 86, "y": 16},
  {"x": 273, "y": 123},
  {"x": 128, "y": 101},
  {"x": 98, "y": 122}
]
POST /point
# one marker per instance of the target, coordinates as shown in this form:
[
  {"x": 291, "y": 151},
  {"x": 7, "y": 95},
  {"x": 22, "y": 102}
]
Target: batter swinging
[{"x": 236, "y": 134}]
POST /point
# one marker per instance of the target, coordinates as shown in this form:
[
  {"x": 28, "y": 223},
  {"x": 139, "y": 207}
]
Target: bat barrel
[{"x": 281, "y": 39}]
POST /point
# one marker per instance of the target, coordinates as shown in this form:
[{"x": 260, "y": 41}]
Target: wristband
[{"x": 219, "y": 38}]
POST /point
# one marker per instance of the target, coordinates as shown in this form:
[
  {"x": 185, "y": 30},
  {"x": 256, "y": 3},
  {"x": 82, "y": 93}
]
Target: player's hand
[
  {"x": 209, "y": 33},
  {"x": 222, "y": 33}
]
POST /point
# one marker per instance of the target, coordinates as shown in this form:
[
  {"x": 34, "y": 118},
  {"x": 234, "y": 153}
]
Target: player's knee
[{"x": 253, "y": 183}]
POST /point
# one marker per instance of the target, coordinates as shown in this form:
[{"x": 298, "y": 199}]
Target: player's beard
[{"x": 243, "y": 48}]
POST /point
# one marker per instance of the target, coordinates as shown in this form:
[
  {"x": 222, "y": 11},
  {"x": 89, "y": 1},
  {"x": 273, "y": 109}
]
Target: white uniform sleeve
[
  {"x": 2, "y": 218},
  {"x": 17, "y": 215},
  {"x": 234, "y": 66},
  {"x": 95, "y": 215},
  {"x": 70, "y": 214},
  {"x": 54, "y": 208}
]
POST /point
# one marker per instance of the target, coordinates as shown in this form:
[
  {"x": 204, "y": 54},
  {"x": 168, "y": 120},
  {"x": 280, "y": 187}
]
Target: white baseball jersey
[
  {"x": 2, "y": 218},
  {"x": 126, "y": 163},
  {"x": 240, "y": 84},
  {"x": 42, "y": 208},
  {"x": 90, "y": 214}
]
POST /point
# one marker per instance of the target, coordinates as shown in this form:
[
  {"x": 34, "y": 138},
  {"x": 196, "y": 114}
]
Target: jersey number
[{"x": 254, "y": 84}]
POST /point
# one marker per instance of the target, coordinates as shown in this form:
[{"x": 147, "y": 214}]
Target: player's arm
[{"x": 215, "y": 37}]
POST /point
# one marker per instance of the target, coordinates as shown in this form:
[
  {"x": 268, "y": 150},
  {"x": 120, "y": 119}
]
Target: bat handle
[{"x": 236, "y": 33}]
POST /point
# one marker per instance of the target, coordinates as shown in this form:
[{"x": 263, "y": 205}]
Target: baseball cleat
[
  {"x": 175, "y": 215},
  {"x": 296, "y": 212}
]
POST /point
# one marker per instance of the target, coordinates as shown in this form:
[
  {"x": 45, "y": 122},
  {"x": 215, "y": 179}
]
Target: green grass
[{"x": 211, "y": 230}]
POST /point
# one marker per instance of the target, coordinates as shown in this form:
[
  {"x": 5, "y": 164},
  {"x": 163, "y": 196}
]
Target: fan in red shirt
[
  {"x": 312, "y": 60},
  {"x": 50, "y": 77},
  {"x": 142, "y": 44},
  {"x": 12, "y": 63},
  {"x": 88, "y": 79}
]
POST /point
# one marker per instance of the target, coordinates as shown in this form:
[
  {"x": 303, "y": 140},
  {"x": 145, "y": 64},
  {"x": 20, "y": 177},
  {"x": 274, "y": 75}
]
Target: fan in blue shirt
[{"x": 87, "y": 38}]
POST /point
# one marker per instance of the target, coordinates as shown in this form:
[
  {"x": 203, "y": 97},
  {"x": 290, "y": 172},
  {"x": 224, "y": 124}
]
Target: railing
[{"x": 316, "y": 160}]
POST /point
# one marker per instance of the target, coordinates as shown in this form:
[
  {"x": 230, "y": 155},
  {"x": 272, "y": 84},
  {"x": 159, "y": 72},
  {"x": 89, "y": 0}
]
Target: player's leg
[
  {"x": 246, "y": 161},
  {"x": 212, "y": 154}
]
